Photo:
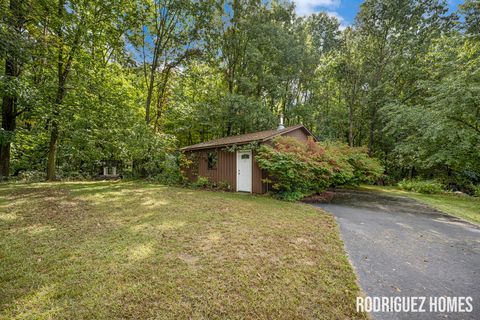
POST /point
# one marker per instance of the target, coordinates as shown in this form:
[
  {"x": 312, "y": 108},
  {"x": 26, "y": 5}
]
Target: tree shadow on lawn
[{"x": 57, "y": 244}]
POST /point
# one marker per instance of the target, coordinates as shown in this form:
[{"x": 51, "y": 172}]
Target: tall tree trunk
[
  {"x": 371, "y": 137},
  {"x": 54, "y": 130},
  {"x": 162, "y": 96},
  {"x": 8, "y": 124},
  {"x": 52, "y": 152},
  {"x": 9, "y": 102},
  {"x": 153, "y": 70},
  {"x": 351, "y": 109},
  {"x": 8, "y": 120},
  {"x": 62, "y": 73},
  {"x": 149, "y": 96},
  {"x": 350, "y": 125}
]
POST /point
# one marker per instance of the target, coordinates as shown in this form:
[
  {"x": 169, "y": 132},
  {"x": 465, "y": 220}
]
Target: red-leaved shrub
[{"x": 298, "y": 168}]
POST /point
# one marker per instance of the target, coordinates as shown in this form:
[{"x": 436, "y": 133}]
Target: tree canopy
[{"x": 82, "y": 82}]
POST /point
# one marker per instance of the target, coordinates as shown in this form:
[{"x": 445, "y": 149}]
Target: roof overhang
[
  {"x": 267, "y": 138},
  {"x": 192, "y": 148}
]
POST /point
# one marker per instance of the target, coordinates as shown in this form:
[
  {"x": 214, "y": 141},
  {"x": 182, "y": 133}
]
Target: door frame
[{"x": 237, "y": 173}]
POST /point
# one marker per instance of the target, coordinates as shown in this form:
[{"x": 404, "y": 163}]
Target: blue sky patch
[{"x": 343, "y": 10}]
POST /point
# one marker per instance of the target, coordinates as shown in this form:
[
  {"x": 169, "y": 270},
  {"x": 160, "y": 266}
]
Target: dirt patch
[
  {"x": 324, "y": 197},
  {"x": 188, "y": 259}
]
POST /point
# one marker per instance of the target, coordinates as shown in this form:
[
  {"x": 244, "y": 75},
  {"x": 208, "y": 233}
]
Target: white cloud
[
  {"x": 334, "y": 15},
  {"x": 306, "y": 7},
  {"x": 343, "y": 23}
]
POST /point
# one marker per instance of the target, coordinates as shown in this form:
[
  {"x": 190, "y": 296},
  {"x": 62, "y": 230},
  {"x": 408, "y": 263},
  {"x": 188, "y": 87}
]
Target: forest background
[{"x": 85, "y": 81}]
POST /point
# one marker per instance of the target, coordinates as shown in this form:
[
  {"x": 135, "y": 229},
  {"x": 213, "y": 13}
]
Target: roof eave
[
  {"x": 293, "y": 128},
  {"x": 300, "y": 126},
  {"x": 192, "y": 148}
]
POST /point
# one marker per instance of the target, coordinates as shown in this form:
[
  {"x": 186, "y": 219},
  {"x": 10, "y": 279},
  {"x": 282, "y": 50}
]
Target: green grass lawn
[
  {"x": 464, "y": 207},
  {"x": 134, "y": 250}
]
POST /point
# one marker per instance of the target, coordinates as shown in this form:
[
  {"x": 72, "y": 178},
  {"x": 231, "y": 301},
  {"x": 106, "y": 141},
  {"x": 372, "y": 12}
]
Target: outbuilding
[{"x": 231, "y": 160}]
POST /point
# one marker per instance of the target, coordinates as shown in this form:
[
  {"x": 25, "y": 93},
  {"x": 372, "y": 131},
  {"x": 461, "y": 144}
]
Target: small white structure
[
  {"x": 110, "y": 169},
  {"x": 280, "y": 125}
]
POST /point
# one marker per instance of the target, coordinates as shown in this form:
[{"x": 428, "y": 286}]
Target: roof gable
[{"x": 245, "y": 138}]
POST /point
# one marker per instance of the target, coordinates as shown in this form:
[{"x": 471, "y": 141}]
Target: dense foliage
[
  {"x": 82, "y": 82},
  {"x": 421, "y": 186},
  {"x": 297, "y": 169}
]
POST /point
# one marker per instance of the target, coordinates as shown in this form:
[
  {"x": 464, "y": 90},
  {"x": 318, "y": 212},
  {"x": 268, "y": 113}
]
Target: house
[{"x": 231, "y": 159}]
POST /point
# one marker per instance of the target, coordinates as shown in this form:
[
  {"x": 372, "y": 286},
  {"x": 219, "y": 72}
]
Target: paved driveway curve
[{"x": 400, "y": 247}]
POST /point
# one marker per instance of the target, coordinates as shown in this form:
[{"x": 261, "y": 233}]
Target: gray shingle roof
[{"x": 243, "y": 138}]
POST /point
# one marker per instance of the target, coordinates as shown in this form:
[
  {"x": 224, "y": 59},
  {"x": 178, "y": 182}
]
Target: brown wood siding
[
  {"x": 257, "y": 185},
  {"x": 298, "y": 133},
  {"x": 227, "y": 165},
  {"x": 225, "y": 171},
  {"x": 190, "y": 172}
]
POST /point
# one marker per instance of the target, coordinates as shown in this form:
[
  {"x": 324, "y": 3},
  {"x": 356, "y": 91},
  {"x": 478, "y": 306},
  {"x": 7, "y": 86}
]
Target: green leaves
[
  {"x": 443, "y": 128},
  {"x": 297, "y": 169},
  {"x": 401, "y": 79}
]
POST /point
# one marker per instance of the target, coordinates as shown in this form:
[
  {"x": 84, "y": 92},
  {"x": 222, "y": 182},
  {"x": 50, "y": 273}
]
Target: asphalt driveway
[{"x": 400, "y": 247}]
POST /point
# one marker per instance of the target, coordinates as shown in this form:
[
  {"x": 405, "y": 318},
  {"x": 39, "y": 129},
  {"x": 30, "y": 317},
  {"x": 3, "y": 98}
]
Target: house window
[
  {"x": 245, "y": 156},
  {"x": 212, "y": 160}
]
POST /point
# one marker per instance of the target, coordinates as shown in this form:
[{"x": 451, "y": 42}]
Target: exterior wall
[
  {"x": 298, "y": 133},
  {"x": 227, "y": 165},
  {"x": 257, "y": 185},
  {"x": 225, "y": 171}
]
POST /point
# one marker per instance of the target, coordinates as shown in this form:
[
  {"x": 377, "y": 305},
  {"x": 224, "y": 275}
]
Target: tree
[
  {"x": 84, "y": 81},
  {"x": 470, "y": 9},
  {"x": 441, "y": 133},
  {"x": 13, "y": 49},
  {"x": 395, "y": 35},
  {"x": 265, "y": 64},
  {"x": 169, "y": 33},
  {"x": 351, "y": 77},
  {"x": 318, "y": 94},
  {"x": 196, "y": 110},
  {"x": 75, "y": 25}
]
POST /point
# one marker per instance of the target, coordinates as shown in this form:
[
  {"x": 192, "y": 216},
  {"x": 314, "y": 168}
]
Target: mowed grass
[
  {"x": 103, "y": 250},
  {"x": 464, "y": 207}
]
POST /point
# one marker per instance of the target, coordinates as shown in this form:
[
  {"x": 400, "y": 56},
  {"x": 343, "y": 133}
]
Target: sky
[{"x": 343, "y": 10}]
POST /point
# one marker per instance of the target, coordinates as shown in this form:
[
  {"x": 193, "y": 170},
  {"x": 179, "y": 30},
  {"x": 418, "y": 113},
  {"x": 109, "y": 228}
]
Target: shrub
[
  {"x": 421, "y": 186},
  {"x": 170, "y": 173},
  {"x": 155, "y": 157},
  {"x": 202, "y": 183},
  {"x": 290, "y": 176},
  {"x": 473, "y": 190},
  {"x": 297, "y": 169},
  {"x": 31, "y": 176},
  {"x": 207, "y": 183},
  {"x": 365, "y": 168},
  {"x": 476, "y": 191},
  {"x": 224, "y": 186},
  {"x": 75, "y": 175}
]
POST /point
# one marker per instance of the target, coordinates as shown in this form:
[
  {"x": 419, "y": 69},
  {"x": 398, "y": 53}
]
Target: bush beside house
[{"x": 297, "y": 169}]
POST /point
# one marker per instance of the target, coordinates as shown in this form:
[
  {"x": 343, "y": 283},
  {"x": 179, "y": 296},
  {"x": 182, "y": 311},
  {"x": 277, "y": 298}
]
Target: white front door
[{"x": 244, "y": 171}]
